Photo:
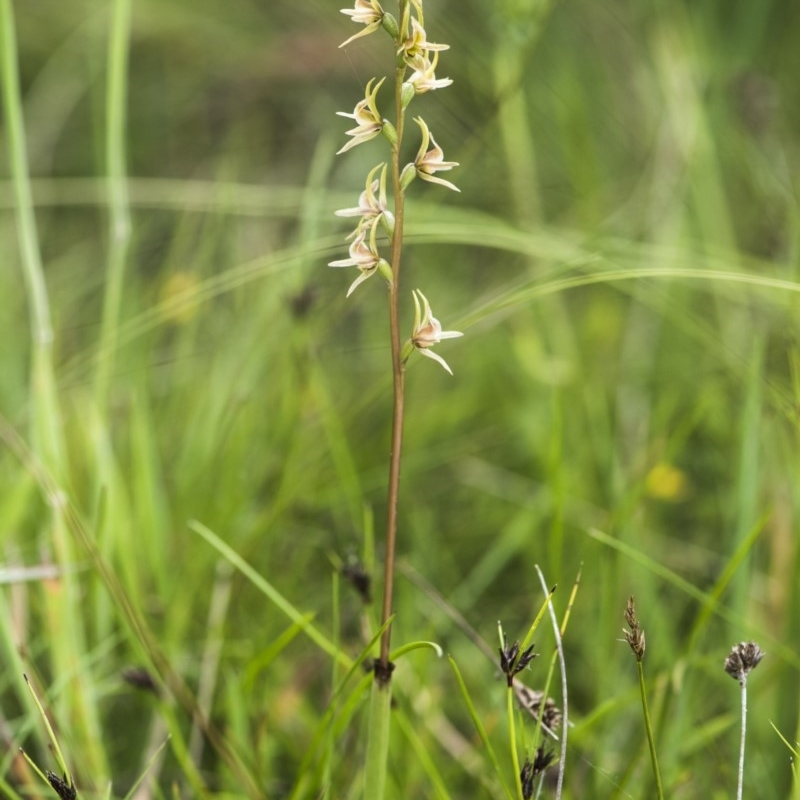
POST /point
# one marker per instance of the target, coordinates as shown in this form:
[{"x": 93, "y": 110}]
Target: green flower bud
[
  {"x": 407, "y": 175},
  {"x": 385, "y": 269},
  {"x": 389, "y": 24},
  {"x": 407, "y": 93},
  {"x": 388, "y": 131}
]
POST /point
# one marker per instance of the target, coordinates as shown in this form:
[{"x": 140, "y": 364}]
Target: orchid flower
[
  {"x": 424, "y": 79},
  {"x": 430, "y": 161},
  {"x": 427, "y": 331},
  {"x": 367, "y": 12},
  {"x": 367, "y": 116},
  {"x": 417, "y": 43},
  {"x": 365, "y": 256},
  {"x": 371, "y": 208}
]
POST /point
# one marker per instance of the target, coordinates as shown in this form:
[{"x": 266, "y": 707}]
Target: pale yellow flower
[
  {"x": 367, "y": 12},
  {"x": 428, "y": 330},
  {"x": 364, "y": 255},
  {"x": 372, "y": 204},
  {"x": 366, "y": 115},
  {"x": 424, "y": 79},
  {"x": 417, "y": 43},
  {"x": 430, "y": 161}
]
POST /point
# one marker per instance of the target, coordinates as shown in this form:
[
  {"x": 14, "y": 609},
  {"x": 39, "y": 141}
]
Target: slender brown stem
[{"x": 398, "y": 375}]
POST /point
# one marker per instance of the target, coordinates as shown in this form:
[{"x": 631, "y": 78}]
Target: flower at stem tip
[
  {"x": 427, "y": 332},
  {"x": 367, "y": 12},
  {"x": 513, "y": 660},
  {"x": 742, "y": 660},
  {"x": 367, "y": 116},
  {"x": 635, "y": 636}
]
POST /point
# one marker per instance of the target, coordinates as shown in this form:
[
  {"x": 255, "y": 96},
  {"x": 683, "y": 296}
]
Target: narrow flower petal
[
  {"x": 360, "y": 279},
  {"x": 440, "y": 181},
  {"x": 371, "y": 28},
  {"x": 435, "y": 357}
]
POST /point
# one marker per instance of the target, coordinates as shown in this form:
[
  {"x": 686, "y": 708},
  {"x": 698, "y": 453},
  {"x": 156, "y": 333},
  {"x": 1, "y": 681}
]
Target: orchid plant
[{"x": 376, "y": 248}]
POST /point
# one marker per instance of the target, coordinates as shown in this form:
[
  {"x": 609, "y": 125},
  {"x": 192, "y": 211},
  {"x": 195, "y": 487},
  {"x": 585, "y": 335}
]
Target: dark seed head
[
  {"x": 635, "y": 636},
  {"x": 62, "y": 786},
  {"x": 360, "y": 579},
  {"x": 512, "y": 662},
  {"x": 140, "y": 678},
  {"x": 742, "y": 660}
]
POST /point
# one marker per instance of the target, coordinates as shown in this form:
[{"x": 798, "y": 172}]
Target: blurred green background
[{"x": 623, "y": 261}]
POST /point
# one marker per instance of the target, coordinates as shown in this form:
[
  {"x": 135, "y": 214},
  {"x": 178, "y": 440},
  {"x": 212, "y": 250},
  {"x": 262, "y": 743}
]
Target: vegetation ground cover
[{"x": 622, "y": 259}]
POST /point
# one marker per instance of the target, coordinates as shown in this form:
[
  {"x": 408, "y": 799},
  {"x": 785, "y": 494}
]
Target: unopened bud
[
  {"x": 407, "y": 93},
  {"x": 387, "y": 129},
  {"x": 389, "y": 24},
  {"x": 407, "y": 175}
]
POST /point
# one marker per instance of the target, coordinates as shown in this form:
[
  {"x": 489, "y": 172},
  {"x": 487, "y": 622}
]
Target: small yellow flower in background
[
  {"x": 365, "y": 256},
  {"x": 430, "y": 161},
  {"x": 179, "y": 297},
  {"x": 371, "y": 207},
  {"x": 367, "y": 12},
  {"x": 366, "y": 115},
  {"x": 666, "y": 482},
  {"x": 427, "y": 331}
]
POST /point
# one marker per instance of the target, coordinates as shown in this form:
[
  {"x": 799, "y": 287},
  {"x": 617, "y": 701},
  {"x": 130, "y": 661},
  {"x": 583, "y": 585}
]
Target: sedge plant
[
  {"x": 634, "y": 636},
  {"x": 376, "y": 249},
  {"x": 741, "y": 661}
]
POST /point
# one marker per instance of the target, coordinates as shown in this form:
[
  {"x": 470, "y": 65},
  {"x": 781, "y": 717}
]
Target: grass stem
[
  {"x": 740, "y": 777},
  {"x": 119, "y": 223},
  {"x": 649, "y": 728}
]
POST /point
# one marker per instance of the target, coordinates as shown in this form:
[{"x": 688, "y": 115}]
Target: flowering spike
[{"x": 635, "y": 636}]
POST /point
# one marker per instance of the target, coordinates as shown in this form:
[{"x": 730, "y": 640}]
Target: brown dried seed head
[
  {"x": 635, "y": 636},
  {"x": 743, "y": 659}
]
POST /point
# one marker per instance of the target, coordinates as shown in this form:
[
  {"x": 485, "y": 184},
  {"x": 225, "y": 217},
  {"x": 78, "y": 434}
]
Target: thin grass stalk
[
  {"x": 476, "y": 721},
  {"x": 741, "y": 661},
  {"x": 119, "y": 221},
  {"x": 41, "y": 326},
  {"x": 740, "y": 776},
  {"x": 67, "y": 643},
  {"x": 378, "y": 741},
  {"x": 562, "y": 663},
  {"x": 512, "y": 742},
  {"x": 651, "y": 743},
  {"x": 46, "y": 424}
]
